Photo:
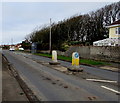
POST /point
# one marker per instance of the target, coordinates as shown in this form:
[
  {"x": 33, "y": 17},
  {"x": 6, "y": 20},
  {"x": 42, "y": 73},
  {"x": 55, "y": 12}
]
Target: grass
[
  {"x": 92, "y": 62},
  {"x": 82, "y": 61},
  {"x": 43, "y": 54}
]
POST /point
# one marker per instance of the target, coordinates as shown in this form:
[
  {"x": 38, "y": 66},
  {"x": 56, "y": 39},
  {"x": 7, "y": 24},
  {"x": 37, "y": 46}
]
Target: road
[
  {"x": 105, "y": 74},
  {"x": 52, "y": 85}
]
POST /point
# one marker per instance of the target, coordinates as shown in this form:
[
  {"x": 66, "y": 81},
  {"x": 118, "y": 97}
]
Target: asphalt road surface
[
  {"x": 105, "y": 74},
  {"x": 51, "y": 85}
]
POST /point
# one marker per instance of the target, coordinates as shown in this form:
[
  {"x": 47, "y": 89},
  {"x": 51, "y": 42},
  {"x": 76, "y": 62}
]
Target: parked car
[
  {"x": 21, "y": 49},
  {"x": 11, "y": 49}
]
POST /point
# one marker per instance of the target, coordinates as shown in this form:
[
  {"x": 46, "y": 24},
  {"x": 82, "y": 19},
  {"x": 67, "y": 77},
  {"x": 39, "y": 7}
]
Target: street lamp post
[
  {"x": 11, "y": 41},
  {"x": 50, "y": 37}
]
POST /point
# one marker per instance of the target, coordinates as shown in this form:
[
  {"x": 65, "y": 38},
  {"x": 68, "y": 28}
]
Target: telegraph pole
[
  {"x": 50, "y": 37},
  {"x": 11, "y": 41}
]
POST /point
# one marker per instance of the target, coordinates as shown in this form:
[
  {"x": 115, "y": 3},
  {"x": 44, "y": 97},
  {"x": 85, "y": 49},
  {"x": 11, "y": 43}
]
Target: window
[{"x": 118, "y": 30}]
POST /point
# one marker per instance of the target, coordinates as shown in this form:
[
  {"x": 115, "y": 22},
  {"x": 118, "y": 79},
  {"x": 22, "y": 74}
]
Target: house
[
  {"x": 17, "y": 46},
  {"x": 114, "y": 36}
]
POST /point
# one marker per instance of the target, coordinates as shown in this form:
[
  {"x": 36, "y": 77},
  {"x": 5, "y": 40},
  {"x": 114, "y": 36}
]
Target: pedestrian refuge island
[
  {"x": 75, "y": 63},
  {"x": 54, "y": 58}
]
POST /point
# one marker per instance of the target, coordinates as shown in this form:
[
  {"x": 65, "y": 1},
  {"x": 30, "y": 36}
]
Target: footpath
[
  {"x": 14, "y": 89},
  {"x": 11, "y": 90}
]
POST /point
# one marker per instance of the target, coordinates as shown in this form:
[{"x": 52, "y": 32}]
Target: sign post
[{"x": 34, "y": 47}]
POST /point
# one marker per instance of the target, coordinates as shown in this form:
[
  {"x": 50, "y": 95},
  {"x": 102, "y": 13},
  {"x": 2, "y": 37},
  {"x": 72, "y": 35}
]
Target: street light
[{"x": 11, "y": 41}]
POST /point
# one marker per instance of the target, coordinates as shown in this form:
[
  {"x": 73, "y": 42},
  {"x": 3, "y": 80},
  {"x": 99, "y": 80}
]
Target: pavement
[{"x": 11, "y": 90}]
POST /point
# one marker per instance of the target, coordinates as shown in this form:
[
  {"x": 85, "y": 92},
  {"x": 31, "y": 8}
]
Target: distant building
[
  {"x": 17, "y": 46},
  {"x": 114, "y": 36}
]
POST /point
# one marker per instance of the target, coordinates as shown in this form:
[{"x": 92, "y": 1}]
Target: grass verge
[{"x": 82, "y": 61}]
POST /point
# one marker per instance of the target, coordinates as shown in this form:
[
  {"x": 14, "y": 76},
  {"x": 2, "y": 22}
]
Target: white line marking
[
  {"x": 97, "y": 80},
  {"x": 110, "y": 89}
]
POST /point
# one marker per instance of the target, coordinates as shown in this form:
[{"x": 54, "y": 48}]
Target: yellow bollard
[
  {"x": 54, "y": 56},
  {"x": 75, "y": 63},
  {"x": 75, "y": 59}
]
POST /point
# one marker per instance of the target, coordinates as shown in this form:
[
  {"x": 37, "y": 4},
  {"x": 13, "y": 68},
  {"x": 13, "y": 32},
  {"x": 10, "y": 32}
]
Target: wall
[
  {"x": 93, "y": 52},
  {"x": 97, "y": 53},
  {"x": 112, "y": 32}
]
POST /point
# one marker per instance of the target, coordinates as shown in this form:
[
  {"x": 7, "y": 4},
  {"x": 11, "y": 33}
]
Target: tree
[
  {"x": 83, "y": 29},
  {"x": 26, "y": 44}
]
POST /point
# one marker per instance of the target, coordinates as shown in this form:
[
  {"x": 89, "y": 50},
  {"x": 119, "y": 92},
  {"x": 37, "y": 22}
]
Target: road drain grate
[{"x": 91, "y": 98}]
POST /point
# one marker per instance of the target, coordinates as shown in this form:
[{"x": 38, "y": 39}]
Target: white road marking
[
  {"x": 110, "y": 89},
  {"x": 98, "y": 80}
]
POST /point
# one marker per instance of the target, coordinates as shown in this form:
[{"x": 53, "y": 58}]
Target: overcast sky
[{"x": 21, "y": 18}]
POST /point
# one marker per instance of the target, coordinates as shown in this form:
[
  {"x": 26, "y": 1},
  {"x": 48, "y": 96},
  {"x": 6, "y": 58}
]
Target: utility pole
[
  {"x": 50, "y": 37},
  {"x": 11, "y": 41}
]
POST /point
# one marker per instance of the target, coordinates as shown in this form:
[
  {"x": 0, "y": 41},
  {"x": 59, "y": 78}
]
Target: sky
[{"x": 21, "y": 18}]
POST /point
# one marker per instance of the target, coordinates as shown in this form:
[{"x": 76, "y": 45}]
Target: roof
[
  {"x": 116, "y": 23},
  {"x": 108, "y": 40}
]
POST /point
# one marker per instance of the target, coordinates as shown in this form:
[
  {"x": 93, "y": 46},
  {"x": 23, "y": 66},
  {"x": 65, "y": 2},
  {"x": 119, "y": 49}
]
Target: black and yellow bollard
[{"x": 75, "y": 63}]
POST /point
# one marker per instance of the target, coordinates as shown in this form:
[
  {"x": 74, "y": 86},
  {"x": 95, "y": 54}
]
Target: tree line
[{"x": 77, "y": 30}]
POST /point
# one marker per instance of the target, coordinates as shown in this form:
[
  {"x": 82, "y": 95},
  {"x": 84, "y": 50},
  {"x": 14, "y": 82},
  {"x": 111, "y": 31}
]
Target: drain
[{"x": 91, "y": 98}]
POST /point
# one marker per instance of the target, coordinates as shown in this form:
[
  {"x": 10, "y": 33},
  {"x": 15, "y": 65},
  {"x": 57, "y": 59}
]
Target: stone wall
[
  {"x": 97, "y": 53},
  {"x": 93, "y": 52}
]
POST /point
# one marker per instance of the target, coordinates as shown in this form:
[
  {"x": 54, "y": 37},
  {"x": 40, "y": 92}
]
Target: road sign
[
  {"x": 34, "y": 47},
  {"x": 76, "y": 55}
]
